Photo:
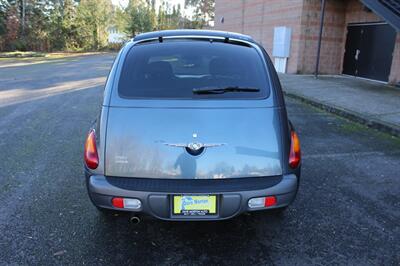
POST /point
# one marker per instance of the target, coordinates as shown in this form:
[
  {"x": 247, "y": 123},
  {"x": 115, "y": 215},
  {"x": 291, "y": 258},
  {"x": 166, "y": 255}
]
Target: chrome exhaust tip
[{"x": 134, "y": 220}]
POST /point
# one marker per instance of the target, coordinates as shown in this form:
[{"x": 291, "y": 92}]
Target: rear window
[{"x": 173, "y": 69}]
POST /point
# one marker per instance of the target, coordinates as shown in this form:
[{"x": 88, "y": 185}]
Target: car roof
[{"x": 199, "y": 33}]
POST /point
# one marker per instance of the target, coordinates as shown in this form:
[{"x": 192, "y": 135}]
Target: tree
[
  {"x": 204, "y": 11},
  {"x": 26, "y": 24},
  {"x": 35, "y": 25},
  {"x": 4, "y": 6},
  {"x": 48, "y": 25},
  {"x": 119, "y": 18},
  {"x": 92, "y": 21},
  {"x": 56, "y": 36},
  {"x": 141, "y": 17},
  {"x": 169, "y": 17},
  {"x": 12, "y": 27},
  {"x": 69, "y": 25}
]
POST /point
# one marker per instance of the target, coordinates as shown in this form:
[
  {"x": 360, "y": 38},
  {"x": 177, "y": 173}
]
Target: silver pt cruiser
[{"x": 193, "y": 126}]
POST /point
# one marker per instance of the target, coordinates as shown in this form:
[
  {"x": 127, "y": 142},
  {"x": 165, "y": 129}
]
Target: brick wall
[
  {"x": 332, "y": 36},
  {"x": 394, "y": 76},
  {"x": 258, "y": 18},
  {"x": 355, "y": 12}
]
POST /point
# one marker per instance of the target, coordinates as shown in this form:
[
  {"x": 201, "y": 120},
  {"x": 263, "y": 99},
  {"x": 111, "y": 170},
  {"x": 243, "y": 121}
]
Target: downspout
[
  {"x": 321, "y": 26},
  {"x": 243, "y": 7}
]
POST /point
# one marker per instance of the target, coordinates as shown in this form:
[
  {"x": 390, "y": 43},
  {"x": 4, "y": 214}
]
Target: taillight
[
  {"x": 261, "y": 202},
  {"x": 126, "y": 203},
  {"x": 270, "y": 201},
  {"x": 90, "y": 154},
  {"x": 295, "y": 153},
  {"x": 118, "y": 202}
]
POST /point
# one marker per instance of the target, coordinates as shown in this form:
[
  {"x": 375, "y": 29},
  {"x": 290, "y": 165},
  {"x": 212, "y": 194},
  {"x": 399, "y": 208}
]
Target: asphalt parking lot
[{"x": 347, "y": 210}]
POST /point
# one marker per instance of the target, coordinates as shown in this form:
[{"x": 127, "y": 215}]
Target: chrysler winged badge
[{"x": 195, "y": 148}]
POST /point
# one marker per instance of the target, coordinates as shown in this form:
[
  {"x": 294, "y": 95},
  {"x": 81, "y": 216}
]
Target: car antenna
[{"x": 160, "y": 39}]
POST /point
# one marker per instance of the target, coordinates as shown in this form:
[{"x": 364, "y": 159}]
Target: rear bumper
[{"x": 159, "y": 204}]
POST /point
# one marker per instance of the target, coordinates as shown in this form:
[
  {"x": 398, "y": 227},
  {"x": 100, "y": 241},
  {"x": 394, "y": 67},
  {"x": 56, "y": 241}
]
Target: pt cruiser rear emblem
[
  {"x": 195, "y": 145},
  {"x": 195, "y": 148}
]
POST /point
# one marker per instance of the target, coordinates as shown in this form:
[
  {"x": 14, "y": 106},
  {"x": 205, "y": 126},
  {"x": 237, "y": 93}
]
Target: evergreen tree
[
  {"x": 141, "y": 17},
  {"x": 48, "y": 25},
  {"x": 92, "y": 21},
  {"x": 69, "y": 25},
  {"x": 4, "y": 6}
]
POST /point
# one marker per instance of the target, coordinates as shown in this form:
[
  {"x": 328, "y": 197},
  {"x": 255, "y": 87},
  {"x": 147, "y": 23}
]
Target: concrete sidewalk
[{"x": 374, "y": 104}]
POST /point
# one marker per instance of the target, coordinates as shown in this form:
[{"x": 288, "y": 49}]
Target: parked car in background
[{"x": 193, "y": 126}]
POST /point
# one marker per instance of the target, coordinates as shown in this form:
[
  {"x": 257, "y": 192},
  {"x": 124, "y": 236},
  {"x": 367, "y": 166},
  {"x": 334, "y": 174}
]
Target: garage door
[{"x": 369, "y": 51}]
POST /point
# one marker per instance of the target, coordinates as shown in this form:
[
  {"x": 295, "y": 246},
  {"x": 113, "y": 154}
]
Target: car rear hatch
[
  {"x": 150, "y": 142},
  {"x": 160, "y": 126}
]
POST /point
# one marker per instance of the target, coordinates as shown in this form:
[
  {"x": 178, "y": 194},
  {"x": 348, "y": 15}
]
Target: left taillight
[
  {"x": 90, "y": 154},
  {"x": 295, "y": 152}
]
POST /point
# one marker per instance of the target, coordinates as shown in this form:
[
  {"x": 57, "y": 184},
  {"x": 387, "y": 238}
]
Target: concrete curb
[{"x": 353, "y": 116}]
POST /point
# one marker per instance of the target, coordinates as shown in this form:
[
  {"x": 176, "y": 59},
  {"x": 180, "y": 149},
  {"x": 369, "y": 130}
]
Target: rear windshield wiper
[{"x": 224, "y": 89}]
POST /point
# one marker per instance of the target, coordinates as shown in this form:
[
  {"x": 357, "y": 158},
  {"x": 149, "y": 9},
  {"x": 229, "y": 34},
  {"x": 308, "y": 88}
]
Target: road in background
[{"x": 347, "y": 210}]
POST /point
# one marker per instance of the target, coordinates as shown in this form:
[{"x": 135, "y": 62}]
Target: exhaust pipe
[{"x": 134, "y": 219}]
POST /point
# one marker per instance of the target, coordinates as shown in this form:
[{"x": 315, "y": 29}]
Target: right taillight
[
  {"x": 90, "y": 154},
  {"x": 295, "y": 153}
]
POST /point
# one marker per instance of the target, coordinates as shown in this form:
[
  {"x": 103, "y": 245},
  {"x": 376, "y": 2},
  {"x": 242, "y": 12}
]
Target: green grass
[
  {"x": 351, "y": 127},
  {"x": 20, "y": 54}
]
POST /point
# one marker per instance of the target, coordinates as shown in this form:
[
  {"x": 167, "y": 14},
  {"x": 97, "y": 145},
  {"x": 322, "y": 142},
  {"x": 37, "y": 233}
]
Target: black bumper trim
[{"x": 194, "y": 185}]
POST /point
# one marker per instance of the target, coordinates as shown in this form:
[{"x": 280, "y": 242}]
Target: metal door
[{"x": 369, "y": 51}]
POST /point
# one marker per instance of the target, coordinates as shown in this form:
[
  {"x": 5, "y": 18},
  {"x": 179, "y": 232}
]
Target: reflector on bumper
[
  {"x": 132, "y": 204},
  {"x": 256, "y": 202},
  {"x": 262, "y": 202},
  {"x": 125, "y": 203}
]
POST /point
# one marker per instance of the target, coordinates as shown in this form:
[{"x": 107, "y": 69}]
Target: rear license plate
[{"x": 195, "y": 205}]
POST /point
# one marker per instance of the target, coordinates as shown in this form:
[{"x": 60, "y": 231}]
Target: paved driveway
[{"x": 347, "y": 210}]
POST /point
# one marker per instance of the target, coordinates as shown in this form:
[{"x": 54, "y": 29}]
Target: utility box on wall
[{"x": 281, "y": 47}]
